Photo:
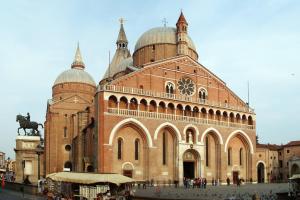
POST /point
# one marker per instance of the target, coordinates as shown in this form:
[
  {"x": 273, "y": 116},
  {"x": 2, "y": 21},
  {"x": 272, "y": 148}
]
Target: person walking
[{"x": 228, "y": 181}]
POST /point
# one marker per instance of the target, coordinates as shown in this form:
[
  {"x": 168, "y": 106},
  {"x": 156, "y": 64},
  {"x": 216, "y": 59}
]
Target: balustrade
[
  {"x": 136, "y": 91},
  {"x": 172, "y": 117}
]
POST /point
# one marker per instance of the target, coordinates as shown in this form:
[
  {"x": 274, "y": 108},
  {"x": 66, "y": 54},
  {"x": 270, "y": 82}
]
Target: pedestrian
[
  {"x": 3, "y": 182},
  {"x": 204, "y": 183},
  {"x": 228, "y": 181},
  {"x": 157, "y": 191}
]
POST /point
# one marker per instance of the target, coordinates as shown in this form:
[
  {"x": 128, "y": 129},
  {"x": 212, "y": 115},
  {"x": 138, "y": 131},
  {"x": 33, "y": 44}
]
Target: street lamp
[{"x": 39, "y": 150}]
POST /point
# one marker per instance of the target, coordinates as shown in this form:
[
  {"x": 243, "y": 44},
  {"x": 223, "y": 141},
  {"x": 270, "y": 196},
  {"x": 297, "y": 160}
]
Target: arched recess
[
  {"x": 90, "y": 168},
  {"x": 166, "y": 124},
  {"x": 212, "y": 130},
  {"x": 171, "y": 109},
  {"x": 143, "y": 105},
  {"x": 166, "y": 138},
  {"x": 128, "y": 121},
  {"x": 261, "y": 171},
  {"x": 193, "y": 127},
  {"x": 295, "y": 169},
  {"x": 236, "y": 140},
  {"x": 133, "y": 105},
  {"x": 68, "y": 165},
  {"x": 112, "y": 102},
  {"x": 242, "y": 133},
  {"x": 212, "y": 140}
]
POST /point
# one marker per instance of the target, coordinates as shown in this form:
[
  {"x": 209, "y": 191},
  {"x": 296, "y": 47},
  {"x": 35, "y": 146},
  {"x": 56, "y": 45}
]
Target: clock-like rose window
[{"x": 186, "y": 86}]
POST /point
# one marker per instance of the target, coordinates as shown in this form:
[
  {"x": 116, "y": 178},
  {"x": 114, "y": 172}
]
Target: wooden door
[{"x": 235, "y": 175}]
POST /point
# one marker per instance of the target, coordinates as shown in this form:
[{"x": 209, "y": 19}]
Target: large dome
[
  {"x": 75, "y": 75},
  {"x": 160, "y": 35}
]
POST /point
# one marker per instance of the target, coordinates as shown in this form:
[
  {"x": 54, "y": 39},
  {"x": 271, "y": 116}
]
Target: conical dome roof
[{"x": 76, "y": 74}]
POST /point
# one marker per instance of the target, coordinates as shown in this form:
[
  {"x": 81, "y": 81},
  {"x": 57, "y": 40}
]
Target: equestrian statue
[{"x": 25, "y": 123}]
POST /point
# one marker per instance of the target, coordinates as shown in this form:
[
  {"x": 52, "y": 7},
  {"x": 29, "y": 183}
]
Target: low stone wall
[{"x": 28, "y": 189}]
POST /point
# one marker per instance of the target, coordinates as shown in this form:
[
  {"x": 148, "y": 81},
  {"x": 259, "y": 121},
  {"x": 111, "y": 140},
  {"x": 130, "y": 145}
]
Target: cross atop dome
[
  {"x": 122, "y": 20},
  {"x": 78, "y": 62}
]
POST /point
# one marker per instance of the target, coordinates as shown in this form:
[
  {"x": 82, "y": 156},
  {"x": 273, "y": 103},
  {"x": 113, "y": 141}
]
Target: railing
[
  {"x": 172, "y": 117},
  {"x": 136, "y": 91}
]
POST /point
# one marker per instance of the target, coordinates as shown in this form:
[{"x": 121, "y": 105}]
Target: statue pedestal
[{"x": 27, "y": 158}]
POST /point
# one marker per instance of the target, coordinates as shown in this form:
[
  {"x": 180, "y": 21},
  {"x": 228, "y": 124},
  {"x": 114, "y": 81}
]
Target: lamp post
[{"x": 39, "y": 150}]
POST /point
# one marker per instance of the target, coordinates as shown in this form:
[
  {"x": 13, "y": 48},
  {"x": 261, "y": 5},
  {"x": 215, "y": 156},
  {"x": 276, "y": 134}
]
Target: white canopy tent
[{"x": 89, "y": 178}]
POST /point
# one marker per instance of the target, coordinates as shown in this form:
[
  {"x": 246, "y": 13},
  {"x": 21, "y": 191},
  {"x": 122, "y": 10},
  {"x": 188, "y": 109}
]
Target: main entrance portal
[
  {"x": 188, "y": 169},
  {"x": 190, "y": 164}
]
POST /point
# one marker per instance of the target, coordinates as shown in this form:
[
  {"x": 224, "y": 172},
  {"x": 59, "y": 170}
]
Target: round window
[
  {"x": 186, "y": 86},
  {"x": 68, "y": 147}
]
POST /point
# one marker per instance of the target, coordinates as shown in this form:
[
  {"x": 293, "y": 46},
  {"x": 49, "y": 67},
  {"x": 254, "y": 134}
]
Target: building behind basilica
[{"x": 157, "y": 114}]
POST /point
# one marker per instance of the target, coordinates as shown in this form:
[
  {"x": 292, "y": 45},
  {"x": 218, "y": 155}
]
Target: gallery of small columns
[
  {"x": 196, "y": 154},
  {"x": 214, "y": 115}
]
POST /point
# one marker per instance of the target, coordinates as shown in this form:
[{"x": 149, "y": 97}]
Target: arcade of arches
[{"x": 176, "y": 153}]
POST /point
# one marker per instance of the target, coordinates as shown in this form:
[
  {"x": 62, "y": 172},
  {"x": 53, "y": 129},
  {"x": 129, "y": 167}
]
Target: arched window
[
  {"x": 170, "y": 88},
  {"x": 202, "y": 95},
  {"x": 136, "y": 149},
  {"x": 164, "y": 156},
  {"x": 241, "y": 156},
  {"x": 229, "y": 152},
  {"x": 120, "y": 148},
  {"x": 65, "y": 132},
  {"x": 206, "y": 148}
]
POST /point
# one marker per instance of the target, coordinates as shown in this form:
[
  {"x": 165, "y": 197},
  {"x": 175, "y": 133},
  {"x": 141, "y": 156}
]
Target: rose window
[{"x": 186, "y": 86}]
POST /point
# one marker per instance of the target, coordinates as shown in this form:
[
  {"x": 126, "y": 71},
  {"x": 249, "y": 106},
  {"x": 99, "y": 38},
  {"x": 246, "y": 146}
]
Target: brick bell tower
[{"x": 182, "y": 45}]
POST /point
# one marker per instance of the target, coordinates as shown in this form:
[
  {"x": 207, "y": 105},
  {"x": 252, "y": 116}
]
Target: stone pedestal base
[{"x": 27, "y": 158}]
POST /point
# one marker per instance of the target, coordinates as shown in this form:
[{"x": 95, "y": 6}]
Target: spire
[
  {"x": 122, "y": 39},
  {"x": 181, "y": 19},
  {"x": 78, "y": 63}
]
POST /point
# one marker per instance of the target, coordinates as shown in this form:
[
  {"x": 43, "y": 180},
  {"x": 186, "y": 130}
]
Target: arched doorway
[
  {"x": 260, "y": 173},
  {"x": 90, "y": 168},
  {"x": 68, "y": 166},
  {"x": 128, "y": 170},
  {"x": 191, "y": 164},
  {"x": 295, "y": 169}
]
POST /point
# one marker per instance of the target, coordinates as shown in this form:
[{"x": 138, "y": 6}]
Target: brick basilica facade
[{"x": 157, "y": 114}]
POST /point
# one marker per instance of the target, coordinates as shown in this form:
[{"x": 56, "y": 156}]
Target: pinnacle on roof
[
  {"x": 181, "y": 19},
  {"x": 122, "y": 36},
  {"x": 78, "y": 62}
]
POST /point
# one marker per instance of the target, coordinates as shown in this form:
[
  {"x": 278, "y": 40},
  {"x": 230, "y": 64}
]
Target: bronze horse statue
[{"x": 27, "y": 124}]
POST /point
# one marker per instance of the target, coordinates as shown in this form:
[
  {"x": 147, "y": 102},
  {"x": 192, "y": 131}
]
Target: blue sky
[{"x": 239, "y": 41}]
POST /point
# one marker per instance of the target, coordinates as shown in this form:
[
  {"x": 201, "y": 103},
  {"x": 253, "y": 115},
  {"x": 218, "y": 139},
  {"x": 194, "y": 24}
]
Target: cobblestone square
[{"x": 244, "y": 192}]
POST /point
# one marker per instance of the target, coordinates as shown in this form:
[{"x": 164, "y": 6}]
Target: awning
[
  {"x": 295, "y": 176},
  {"x": 89, "y": 178}
]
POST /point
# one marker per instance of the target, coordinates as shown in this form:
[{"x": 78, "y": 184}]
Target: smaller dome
[{"x": 75, "y": 75}]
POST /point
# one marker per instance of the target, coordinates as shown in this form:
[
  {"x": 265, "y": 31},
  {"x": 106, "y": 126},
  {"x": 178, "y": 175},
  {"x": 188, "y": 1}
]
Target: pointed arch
[
  {"x": 212, "y": 130},
  {"x": 231, "y": 135},
  {"x": 128, "y": 121},
  {"x": 177, "y": 132}
]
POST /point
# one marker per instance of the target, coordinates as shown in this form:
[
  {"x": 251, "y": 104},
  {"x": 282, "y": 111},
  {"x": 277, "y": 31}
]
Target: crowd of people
[{"x": 198, "y": 182}]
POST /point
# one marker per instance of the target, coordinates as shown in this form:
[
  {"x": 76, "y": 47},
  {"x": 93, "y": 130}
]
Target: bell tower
[
  {"x": 182, "y": 45},
  {"x": 122, "y": 41}
]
